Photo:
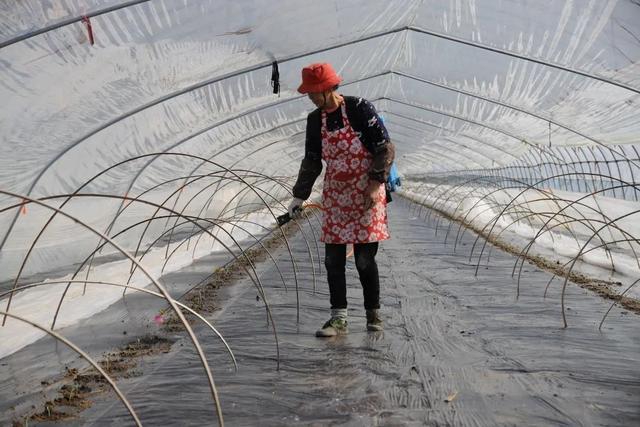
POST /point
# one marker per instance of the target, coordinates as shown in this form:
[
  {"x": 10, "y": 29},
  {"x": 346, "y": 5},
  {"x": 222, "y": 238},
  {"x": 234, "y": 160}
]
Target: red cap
[{"x": 318, "y": 78}]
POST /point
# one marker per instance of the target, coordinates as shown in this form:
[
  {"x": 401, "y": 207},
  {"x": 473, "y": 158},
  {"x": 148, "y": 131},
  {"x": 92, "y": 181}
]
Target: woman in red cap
[{"x": 348, "y": 135}]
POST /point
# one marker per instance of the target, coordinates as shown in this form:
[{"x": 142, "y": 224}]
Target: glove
[{"x": 294, "y": 206}]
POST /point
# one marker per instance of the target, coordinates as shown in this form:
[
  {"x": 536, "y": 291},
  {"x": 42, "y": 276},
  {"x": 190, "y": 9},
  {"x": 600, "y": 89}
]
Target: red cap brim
[{"x": 320, "y": 87}]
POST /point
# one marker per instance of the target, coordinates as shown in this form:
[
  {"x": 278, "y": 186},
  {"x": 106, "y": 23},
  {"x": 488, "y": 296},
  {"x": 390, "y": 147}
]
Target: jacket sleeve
[
  {"x": 311, "y": 166},
  {"x": 382, "y": 161},
  {"x": 375, "y": 137}
]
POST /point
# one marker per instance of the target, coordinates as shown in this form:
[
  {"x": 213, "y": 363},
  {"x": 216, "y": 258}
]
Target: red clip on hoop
[{"x": 87, "y": 23}]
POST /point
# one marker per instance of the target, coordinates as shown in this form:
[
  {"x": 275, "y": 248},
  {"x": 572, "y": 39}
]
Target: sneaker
[
  {"x": 334, "y": 326},
  {"x": 373, "y": 321}
]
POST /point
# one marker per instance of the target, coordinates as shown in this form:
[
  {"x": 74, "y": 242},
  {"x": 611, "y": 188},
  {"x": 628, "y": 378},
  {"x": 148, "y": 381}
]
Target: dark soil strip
[
  {"x": 80, "y": 388},
  {"x": 605, "y": 289}
]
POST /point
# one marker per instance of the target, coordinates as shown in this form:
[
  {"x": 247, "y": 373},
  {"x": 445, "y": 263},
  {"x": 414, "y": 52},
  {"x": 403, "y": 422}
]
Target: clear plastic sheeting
[
  {"x": 151, "y": 123},
  {"x": 123, "y": 95},
  {"x": 101, "y": 100},
  {"x": 456, "y": 350}
]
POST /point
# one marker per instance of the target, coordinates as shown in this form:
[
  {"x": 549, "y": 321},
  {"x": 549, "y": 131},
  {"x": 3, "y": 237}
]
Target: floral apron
[{"x": 345, "y": 183}]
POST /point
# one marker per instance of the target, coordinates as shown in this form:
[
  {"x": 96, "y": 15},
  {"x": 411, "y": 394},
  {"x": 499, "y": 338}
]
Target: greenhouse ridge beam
[
  {"x": 524, "y": 58},
  {"x": 290, "y": 58},
  {"x": 265, "y": 65},
  {"x": 338, "y": 45}
]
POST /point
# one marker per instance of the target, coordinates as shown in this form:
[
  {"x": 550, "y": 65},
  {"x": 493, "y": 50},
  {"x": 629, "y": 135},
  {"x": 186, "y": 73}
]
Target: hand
[
  {"x": 294, "y": 206},
  {"x": 371, "y": 194}
]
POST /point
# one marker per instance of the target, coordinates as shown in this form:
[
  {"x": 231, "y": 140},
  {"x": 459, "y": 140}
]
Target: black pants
[{"x": 335, "y": 261}]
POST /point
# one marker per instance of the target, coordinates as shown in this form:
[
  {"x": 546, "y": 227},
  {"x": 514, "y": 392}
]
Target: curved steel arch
[
  {"x": 433, "y": 144},
  {"x": 156, "y": 283},
  {"x": 458, "y": 117},
  {"x": 524, "y": 58},
  {"x": 524, "y": 252},
  {"x": 548, "y": 119},
  {"x": 257, "y": 282},
  {"x": 238, "y": 143},
  {"x": 143, "y": 290},
  {"x": 580, "y": 253},
  {"x": 355, "y": 40},
  {"x": 446, "y": 129},
  {"x": 68, "y": 21},
  {"x": 439, "y": 142},
  {"x": 85, "y": 356},
  {"x": 451, "y": 160},
  {"x": 235, "y": 117},
  {"x": 69, "y": 196},
  {"x": 301, "y": 55},
  {"x": 266, "y": 64},
  {"x": 494, "y": 222}
]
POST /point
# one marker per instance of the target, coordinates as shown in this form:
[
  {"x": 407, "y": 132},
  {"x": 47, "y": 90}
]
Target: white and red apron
[{"x": 345, "y": 183}]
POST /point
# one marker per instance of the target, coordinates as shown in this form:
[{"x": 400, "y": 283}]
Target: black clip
[{"x": 275, "y": 77}]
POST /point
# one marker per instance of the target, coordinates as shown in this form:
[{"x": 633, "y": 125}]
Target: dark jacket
[{"x": 370, "y": 130}]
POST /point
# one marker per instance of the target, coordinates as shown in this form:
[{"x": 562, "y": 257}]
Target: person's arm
[
  {"x": 311, "y": 166},
  {"x": 374, "y": 136},
  {"x": 376, "y": 139}
]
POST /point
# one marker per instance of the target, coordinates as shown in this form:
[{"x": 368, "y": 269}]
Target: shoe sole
[
  {"x": 321, "y": 334},
  {"x": 374, "y": 328}
]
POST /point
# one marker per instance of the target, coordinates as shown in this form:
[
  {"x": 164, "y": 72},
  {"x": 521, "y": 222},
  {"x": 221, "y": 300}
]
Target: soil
[
  {"x": 203, "y": 299},
  {"x": 605, "y": 289},
  {"x": 80, "y": 388}
]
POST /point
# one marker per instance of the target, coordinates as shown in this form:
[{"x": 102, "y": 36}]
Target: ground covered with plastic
[{"x": 456, "y": 350}]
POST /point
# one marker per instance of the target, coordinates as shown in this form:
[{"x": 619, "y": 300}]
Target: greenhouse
[{"x": 189, "y": 189}]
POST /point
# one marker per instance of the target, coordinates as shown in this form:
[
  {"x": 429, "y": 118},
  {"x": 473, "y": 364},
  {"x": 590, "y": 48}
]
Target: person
[{"x": 345, "y": 132}]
